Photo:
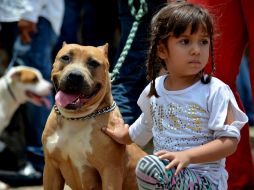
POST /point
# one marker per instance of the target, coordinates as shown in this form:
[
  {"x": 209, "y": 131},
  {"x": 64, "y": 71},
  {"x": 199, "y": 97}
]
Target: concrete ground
[
  {"x": 67, "y": 188},
  {"x": 34, "y": 188}
]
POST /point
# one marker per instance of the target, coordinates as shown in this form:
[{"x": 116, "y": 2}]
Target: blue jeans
[
  {"x": 37, "y": 54},
  {"x": 244, "y": 89},
  {"x": 89, "y": 22},
  {"x": 131, "y": 81}
]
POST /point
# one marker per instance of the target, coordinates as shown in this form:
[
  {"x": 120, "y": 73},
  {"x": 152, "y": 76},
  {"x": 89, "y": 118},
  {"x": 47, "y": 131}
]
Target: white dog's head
[{"x": 27, "y": 84}]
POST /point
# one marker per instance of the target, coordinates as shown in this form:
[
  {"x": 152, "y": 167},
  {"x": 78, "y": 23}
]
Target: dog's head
[
  {"x": 81, "y": 78},
  {"x": 27, "y": 84}
]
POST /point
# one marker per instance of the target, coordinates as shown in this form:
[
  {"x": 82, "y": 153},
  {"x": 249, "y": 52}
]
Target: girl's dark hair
[{"x": 173, "y": 20}]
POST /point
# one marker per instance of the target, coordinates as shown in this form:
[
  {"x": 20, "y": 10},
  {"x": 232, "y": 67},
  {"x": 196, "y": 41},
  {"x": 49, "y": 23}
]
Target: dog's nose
[
  {"x": 75, "y": 77},
  {"x": 74, "y": 82}
]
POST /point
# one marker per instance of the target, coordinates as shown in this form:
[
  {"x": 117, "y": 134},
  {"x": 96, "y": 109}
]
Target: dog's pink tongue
[
  {"x": 46, "y": 102},
  {"x": 62, "y": 99}
]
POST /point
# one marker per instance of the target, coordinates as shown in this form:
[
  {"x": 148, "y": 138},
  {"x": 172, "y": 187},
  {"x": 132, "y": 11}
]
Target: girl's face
[{"x": 186, "y": 55}]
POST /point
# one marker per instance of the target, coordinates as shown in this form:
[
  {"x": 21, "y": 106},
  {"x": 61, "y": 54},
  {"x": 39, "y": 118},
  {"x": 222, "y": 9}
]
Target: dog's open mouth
[
  {"x": 74, "y": 101},
  {"x": 38, "y": 99}
]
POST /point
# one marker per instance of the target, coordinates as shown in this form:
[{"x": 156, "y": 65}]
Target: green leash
[{"x": 137, "y": 15}]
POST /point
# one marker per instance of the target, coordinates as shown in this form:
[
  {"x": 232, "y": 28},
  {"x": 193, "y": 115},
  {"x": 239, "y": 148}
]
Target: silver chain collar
[{"x": 92, "y": 115}]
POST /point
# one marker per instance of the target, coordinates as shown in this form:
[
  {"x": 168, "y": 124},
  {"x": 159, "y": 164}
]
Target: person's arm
[
  {"x": 29, "y": 19},
  {"x": 139, "y": 132},
  {"x": 120, "y": 133},
  {"x": 26, "y": 28},
  {"x": 212, "y": 151},
  {"x": 216, "y": 149}
]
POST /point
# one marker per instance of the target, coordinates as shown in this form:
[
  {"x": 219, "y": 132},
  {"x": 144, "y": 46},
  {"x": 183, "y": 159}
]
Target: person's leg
[
  {"x": 8, "y": 34},
  {"x": 39, "y": 56},
  {"x": 131, "y": 80},
  {"x": 229, "y": 46},
  {"x": 249, "y": 19},
  {"x": 71, "y": 23},
  {"x": 99, "y": 24},
  {"x": 244, "y": 88},
  {"x": 231, "y": 43},
  {"x": 151, "y": 175}
]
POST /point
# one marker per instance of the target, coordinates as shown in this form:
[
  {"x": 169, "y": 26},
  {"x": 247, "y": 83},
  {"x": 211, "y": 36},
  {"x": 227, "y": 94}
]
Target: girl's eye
[
  {"x": 65, "y": 58},
  {"x": 35, "y": 79},
  {"x": 204, "y": 42},
  {"x": 184, "y": 41}
]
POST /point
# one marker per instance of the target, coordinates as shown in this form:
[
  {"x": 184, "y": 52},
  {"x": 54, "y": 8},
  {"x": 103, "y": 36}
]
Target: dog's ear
[
  {"x": 104, "y": 48},
  {"x": 64, "y": 43},
  {"x": 16, "y": 75}
]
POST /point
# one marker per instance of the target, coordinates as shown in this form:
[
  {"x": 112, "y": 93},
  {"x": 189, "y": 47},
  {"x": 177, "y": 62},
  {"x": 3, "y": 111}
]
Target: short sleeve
[
  {"x": 218, "y": 106},
  {"x": 141, "y": 130}
]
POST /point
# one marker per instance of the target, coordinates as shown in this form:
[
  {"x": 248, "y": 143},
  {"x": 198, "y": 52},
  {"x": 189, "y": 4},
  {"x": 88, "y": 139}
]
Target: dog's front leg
[
  {"x": 52, "y": 178},
  {"x": 112, "y": 178}
]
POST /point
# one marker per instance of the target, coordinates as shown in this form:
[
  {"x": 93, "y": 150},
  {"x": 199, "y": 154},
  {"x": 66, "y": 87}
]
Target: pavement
[
  {"x": 67, "y": 188},
  {"x": 35, "y": 188}
]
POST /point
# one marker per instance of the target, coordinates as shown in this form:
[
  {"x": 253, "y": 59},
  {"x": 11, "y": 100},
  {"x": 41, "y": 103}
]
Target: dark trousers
[{"x": 131, "y": 81}]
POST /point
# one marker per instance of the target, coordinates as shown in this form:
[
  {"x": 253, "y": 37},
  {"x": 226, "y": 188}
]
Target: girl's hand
[
  {"x": 179, "y": 160},
  {"x": 120, "y": 133}
]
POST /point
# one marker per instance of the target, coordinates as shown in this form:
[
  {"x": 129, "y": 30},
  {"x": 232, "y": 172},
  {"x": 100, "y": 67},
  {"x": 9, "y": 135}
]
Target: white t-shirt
[
  {"x": 14, "y": 10},
  {"x": 194, "y": 116},
  {"x": 52, "y": 10},
  {"x": 11, "y": 10}
]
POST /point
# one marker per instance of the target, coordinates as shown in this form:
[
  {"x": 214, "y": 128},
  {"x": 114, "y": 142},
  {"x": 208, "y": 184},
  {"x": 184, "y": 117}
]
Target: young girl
[{"x": 192, "y": 117}]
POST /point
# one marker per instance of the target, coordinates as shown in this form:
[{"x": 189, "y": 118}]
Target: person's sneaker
[
  {"x": 3, "y": 185},
  {"x": 27, "y": 176}
]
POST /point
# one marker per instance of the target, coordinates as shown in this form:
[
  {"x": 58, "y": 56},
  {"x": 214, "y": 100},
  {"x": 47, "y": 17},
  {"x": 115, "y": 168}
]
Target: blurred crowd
[{"x": 33, "y": 31}]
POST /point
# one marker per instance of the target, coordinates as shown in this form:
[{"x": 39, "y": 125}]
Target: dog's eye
[
  {"x": 65, "y": 58},
  {"x": 93, "y": 64},
  {"x": 35, "y": 79}
]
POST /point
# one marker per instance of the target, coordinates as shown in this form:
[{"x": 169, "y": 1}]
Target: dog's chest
[
  {"x": 73, "y": 139},
  {"x": 6, "y": 101}
]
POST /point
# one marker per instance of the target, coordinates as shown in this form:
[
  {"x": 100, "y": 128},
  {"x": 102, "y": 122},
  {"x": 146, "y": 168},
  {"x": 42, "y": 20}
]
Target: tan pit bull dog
[{"x": 76, "y": 151}]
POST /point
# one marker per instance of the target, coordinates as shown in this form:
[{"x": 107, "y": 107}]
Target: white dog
[{"x": 19, "y": 85}]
